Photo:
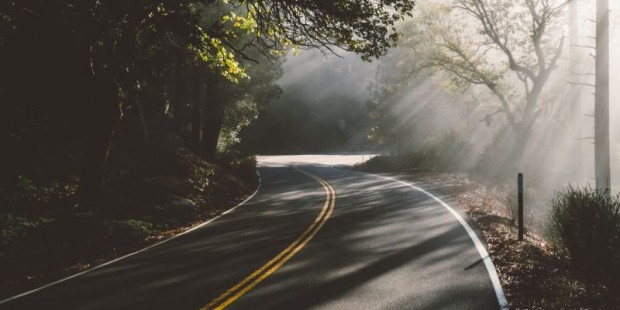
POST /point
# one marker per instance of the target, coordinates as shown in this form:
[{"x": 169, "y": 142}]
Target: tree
[
  {"x": 360, "y": 26},
  {"x": 97, "y": 50},
  {"x": 247, "y": 101},
  {"x": 93, "y": 49},
  {"x": 575, "y": 74},
  {"x": 505, "y": 42},
  {"x": 601, "y": 99}
]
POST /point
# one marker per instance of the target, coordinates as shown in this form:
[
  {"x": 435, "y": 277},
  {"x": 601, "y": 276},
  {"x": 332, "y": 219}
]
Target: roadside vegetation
[
  {"x": 121, "y": 120},
  {"x": 481, "y": 100},
  {"x": 144, "y": 201},
  {"x": 584, "y": 224},
  {"x": 124, "y": 122}
]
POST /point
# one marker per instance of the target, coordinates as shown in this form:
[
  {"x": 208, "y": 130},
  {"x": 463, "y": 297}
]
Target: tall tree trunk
[
  {"x": 213, "y": 119},
  {"x": 522, "y": 130},
  {"x": 100, "y": 119},
  {"x": 522, "y": 135},
  {"x": 197, "y": 117},
  {"x": 601, "y": 99},
  {"x": 142, "y": 131},
  {"x": 180, "y": 104},
  {"x": 573, "y": 120}
]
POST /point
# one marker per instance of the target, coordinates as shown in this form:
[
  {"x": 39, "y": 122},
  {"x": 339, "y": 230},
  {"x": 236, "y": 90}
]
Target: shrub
[
  {"x": 129, "y": 231},
  {"x": 585, "y": 223},
  {"x": 13, "y": 227}
]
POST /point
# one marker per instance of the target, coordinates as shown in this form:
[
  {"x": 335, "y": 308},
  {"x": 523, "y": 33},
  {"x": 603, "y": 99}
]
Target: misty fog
[
  {"x": 323, "y": 106},
  {"x": 458, "y": 129}
]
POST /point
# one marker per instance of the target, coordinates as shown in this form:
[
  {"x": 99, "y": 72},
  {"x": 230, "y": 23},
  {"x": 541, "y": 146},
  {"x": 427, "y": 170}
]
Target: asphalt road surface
[{"x": 312, "y": 237}]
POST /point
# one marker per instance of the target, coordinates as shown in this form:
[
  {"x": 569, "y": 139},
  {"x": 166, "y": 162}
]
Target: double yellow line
[{"x": 270, "y": 267}]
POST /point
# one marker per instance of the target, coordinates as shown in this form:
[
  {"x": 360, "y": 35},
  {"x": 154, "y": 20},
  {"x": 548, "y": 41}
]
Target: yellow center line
[{"x": 270, "y": 267}]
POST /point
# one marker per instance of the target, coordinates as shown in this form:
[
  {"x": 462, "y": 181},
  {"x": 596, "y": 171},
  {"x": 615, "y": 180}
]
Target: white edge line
[
  {"x": 486, "y": 258},
  {"x": 260, "y": 182}
]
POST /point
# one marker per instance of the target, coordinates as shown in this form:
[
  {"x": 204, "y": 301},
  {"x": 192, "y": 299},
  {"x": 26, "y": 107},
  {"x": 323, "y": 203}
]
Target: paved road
[{"x": 313, "y": 237}]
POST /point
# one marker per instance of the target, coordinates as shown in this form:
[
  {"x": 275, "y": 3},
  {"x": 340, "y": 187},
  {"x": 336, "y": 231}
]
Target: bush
[
  {"x": 13, "y": 228},
  {"x": 585, "y": 223},
  {"x": 403, "y": 162},
  {"x": 129, "y": 231}
]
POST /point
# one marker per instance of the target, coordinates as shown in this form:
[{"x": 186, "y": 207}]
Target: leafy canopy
[{"x": 117, "y": 32}]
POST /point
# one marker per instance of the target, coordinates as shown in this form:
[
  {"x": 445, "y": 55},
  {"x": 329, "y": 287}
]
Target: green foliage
[
  {"x": 24, "y": 191},
  {"x": 494, "y": 58},
  {"x": 138, "y": 44},
  {"x": 244, "y": 165},
  {"x": 129, "y": 230},
  {"x": 13, "y": 227},
  {"x": 248, "y": 98},
  {"x": 322, "y": 107},
  {"x": 362, "y": 26},
  {"x": 586, "y": 224},
  {"x": 237, "y": 117},
  {"x": 25, "y": 183},
  {"x": 151, "y": 58}
]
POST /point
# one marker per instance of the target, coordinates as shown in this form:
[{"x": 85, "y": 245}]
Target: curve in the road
[
  {"x": 484, "y": 254},
  {"x": 270, "y": 267},
  {"x": 136, "y": 252},
  {"x": 383, "y": 258}
]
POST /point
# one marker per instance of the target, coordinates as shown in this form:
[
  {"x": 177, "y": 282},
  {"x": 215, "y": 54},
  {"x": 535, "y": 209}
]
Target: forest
[
  {"x": 121, "y": 120},
  {"x": 125, "y": 122},
  {"x": 486, "y": 90}
]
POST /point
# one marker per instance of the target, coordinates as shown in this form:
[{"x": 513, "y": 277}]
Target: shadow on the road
[
  {"x": 187, "y": 272},
  {"x": 380, "y": 231},
  {"x": 387, "y": 232}
]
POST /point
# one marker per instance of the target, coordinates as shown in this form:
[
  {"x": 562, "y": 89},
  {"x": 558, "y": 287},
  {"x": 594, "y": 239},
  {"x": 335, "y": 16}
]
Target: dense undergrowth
[{"x": 148, "y": 196}]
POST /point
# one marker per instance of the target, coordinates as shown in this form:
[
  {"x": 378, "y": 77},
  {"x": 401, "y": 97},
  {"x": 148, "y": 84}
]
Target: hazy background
[
  {"x": 326, "y": 106},
  {"x": 323, "y": 107}
]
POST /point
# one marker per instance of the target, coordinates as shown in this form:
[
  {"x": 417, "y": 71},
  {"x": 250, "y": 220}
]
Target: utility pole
[{"x": 601, "y": 99}]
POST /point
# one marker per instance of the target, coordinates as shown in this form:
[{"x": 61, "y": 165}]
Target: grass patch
[{"x": 584, "y": 223}]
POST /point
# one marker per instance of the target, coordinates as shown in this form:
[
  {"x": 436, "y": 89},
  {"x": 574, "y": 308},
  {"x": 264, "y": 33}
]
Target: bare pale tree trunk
[
  {"x": 573, "y": 26},
  {"x": 574, "y": 113},
  {"x": 601, "y": 99}
]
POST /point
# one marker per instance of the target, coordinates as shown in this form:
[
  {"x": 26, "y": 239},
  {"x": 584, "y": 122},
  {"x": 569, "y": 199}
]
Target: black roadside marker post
[{"x": 520, "y": 210}]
